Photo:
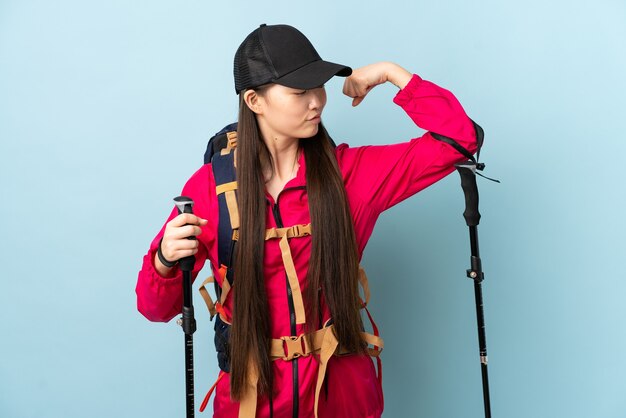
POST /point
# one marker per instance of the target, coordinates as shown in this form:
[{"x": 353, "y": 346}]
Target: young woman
[{"x": 306, "y": 210}]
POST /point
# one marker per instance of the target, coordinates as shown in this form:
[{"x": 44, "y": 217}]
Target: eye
[{"x": 301, "y": 93}]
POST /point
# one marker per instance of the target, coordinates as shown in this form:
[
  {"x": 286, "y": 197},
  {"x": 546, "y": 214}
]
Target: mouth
[{"x": 315, "y": 118}]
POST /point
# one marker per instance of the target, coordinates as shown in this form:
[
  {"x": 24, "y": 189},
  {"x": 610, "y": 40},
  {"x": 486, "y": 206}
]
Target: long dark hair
[{"x": 333, "y": 266}]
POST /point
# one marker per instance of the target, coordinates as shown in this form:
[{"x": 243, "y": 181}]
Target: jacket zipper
[{"x": 292, "y": 312}]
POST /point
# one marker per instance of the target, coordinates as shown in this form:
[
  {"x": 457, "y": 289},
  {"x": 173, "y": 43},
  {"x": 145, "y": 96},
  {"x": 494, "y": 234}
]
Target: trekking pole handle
[
  {"x": 184, "y": 204},
  {"x": 188, "y": 322},
  {"x": 467, "y": 171}
]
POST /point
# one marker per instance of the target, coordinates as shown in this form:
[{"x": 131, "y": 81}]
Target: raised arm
[{"x": 382, "y": 176}]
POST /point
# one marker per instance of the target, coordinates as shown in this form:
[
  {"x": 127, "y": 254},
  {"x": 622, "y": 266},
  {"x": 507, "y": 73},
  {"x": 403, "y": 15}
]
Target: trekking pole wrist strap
[{"x": 162, "y": 259}]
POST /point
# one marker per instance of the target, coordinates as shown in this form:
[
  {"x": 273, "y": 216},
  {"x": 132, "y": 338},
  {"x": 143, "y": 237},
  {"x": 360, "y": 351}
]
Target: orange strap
[
  {"x": 247, "y": 405},
  {"x": 379, "y": 363},
  {"x": 294, "y": 283},
  {"x": 366, "y": 290},
  {"x": 218, "y": 307},
  {"x": 322, "y": 342},
  {"x": 233, "y": 210},
  {"x": 232, "y": 139},
  {"x": 226, "y": 187},
  {"x": 296, "y": 231},
  {"x": 285, "y": 234},
  {"x": 329, "y": 346},
  {"x": 210, "y": 392},
  {"x": 231, "y": 144},
  {"x": 208, "y": 300},
  {"x": 364, "y": 284}
]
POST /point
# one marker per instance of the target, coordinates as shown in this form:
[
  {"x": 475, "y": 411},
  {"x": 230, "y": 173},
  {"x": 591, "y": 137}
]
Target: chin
[{"x": 309, "y": 133}]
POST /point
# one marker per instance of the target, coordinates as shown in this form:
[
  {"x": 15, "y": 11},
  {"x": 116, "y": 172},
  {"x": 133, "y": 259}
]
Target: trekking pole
[
  {"x": 188, "y": 322},
  {"x": 467, "y": 170}
]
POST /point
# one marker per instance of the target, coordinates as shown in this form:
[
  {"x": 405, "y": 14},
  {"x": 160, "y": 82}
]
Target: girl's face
[{"x": 288, "y": 113}]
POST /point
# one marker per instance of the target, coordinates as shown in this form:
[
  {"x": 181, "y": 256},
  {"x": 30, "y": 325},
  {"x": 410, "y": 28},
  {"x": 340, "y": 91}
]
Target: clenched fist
[
  {"x": 366, "y": 78},
  {"x": 175, "y": 244}
]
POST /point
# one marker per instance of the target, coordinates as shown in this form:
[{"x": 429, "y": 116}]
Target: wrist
[
  {"x": 397, "y": 75},
  {"x": 161, "y": 270},
  {"x": 162, "y": 260}
]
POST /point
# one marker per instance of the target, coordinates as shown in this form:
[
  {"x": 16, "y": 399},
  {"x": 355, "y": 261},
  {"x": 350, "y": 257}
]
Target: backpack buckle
[
  {"x": 295, "y": 347},
  {"x": 300, "y": 231}
]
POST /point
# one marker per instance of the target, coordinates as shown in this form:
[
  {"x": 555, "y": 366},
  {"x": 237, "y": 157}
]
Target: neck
[{"x": 285, "y": 153}]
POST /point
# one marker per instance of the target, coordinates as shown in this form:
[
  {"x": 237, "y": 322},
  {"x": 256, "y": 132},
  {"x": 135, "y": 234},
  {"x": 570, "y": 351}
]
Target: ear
[{"x": 253, "y": 101}]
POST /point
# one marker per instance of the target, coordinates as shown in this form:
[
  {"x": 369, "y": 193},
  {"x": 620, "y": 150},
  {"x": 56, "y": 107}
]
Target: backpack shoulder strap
[{"x": 221, "y": 157}]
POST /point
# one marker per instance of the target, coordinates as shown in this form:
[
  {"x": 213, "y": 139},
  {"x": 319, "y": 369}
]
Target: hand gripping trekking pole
[
  {"x": 188, "y": 322},
  {"x": 467, "y": 170}
]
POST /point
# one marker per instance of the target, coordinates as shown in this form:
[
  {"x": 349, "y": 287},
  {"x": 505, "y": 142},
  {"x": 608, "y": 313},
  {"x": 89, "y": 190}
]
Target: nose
[{"x": 318, "y": 99}]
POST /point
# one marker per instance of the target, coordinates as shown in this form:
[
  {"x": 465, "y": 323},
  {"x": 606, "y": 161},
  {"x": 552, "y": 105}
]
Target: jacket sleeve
[
  {"x": 382, "y": 176},
  {"x": 161, "y": 298}
]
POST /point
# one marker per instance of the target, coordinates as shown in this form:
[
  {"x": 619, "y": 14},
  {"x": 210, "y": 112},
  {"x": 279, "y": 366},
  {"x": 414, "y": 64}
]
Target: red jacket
[{"x": 376, "y": 178}]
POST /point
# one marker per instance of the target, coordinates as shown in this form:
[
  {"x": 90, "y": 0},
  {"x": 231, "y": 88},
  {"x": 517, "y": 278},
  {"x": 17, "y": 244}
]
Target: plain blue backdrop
[{"x": 105, "y": 110}]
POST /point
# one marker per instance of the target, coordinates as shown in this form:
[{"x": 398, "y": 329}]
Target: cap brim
[{"x": 313, "y": 75}]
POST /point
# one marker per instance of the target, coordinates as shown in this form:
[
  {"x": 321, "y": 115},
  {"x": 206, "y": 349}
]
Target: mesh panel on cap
[{"x": 252, "y": 67}]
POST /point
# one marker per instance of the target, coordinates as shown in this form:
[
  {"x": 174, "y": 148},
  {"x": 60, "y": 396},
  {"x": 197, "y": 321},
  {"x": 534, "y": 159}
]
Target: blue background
[{"x": 105, "y": 110}]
